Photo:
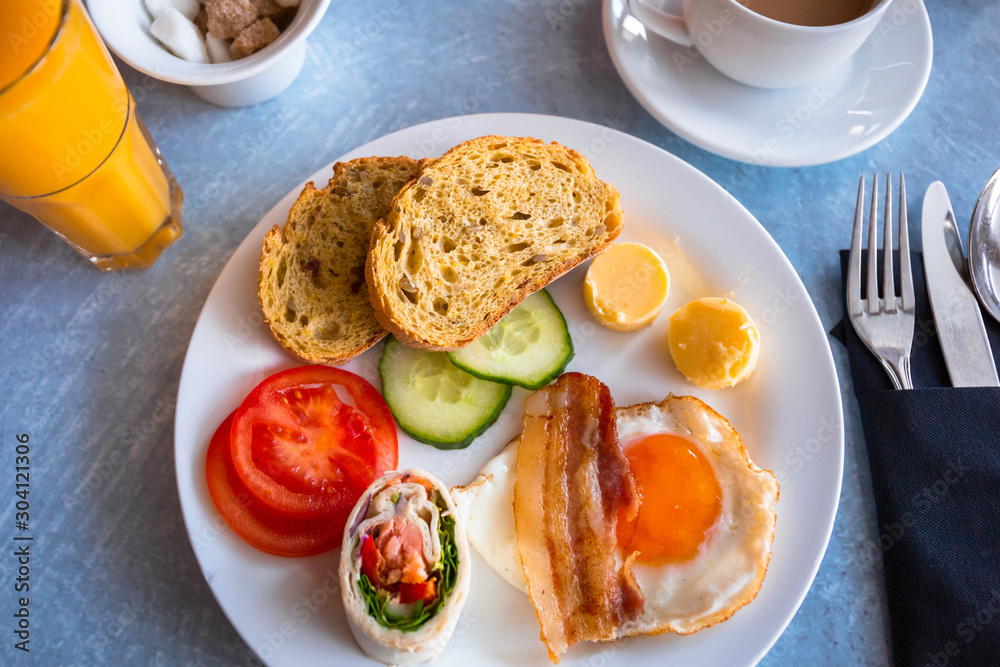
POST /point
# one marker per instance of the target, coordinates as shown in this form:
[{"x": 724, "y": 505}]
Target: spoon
[{"x": 984, "y": 246}]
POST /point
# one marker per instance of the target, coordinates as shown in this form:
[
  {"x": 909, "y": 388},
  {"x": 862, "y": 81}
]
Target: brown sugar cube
[
  {"x": 267, "y": 8},
  {"x": 283, "y": 18},
  {"x": 227, "y": 18},
  {"x": 254, "y": 38},
  {"x": 201, "y": 21}
]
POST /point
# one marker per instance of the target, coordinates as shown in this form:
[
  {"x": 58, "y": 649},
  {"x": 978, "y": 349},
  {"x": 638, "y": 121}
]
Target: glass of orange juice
[{"x": 73, "y": 151}]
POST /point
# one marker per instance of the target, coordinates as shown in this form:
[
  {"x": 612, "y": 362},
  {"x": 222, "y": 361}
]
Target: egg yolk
[{"x": 681, "y": 500}]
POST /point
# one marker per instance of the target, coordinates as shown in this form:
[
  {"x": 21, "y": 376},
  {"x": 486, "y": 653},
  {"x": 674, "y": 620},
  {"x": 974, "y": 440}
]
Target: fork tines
[{"x": 885, "y": 324}]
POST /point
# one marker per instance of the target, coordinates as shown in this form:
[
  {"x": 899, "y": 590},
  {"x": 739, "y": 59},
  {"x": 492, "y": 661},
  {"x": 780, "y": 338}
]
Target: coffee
[{"x": 810, "y": 12}]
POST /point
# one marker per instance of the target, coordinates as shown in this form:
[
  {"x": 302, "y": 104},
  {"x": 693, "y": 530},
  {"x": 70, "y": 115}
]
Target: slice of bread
[
  {"x": 311, "y": 285},
  {"x": 479, "y": 229}
]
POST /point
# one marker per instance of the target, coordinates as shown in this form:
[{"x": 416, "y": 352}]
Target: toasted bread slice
[
  {"x": 312, "y": 283},
  {"x": 482, "y": 227}
]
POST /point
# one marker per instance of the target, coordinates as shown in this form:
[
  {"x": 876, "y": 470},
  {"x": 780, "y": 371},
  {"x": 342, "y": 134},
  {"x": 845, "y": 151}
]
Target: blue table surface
[{"x": 93, "y": 360}]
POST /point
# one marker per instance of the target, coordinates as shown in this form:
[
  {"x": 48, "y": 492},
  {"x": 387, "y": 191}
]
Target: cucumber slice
[
  {"x": 529, "y": 347},
  {"x": 434, "y": 401}
]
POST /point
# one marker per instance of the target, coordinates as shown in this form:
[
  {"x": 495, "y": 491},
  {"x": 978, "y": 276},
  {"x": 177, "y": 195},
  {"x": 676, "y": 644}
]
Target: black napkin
[{"x": 935, "y": 460}]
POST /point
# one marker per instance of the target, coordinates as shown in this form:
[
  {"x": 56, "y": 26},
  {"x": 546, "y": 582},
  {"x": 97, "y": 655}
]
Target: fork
[{"x": 884, "y": 324}]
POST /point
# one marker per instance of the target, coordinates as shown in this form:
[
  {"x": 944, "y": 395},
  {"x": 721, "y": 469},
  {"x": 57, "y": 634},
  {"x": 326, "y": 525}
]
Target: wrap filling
[{"x": 405, "y": 553}]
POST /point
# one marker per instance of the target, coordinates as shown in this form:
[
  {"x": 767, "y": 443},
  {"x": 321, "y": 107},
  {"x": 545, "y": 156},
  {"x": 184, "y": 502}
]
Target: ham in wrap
[{"x": 404, "y": 568}]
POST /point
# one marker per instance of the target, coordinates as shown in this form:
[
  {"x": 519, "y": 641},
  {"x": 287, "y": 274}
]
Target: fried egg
[{"x": 703, "y": 533}]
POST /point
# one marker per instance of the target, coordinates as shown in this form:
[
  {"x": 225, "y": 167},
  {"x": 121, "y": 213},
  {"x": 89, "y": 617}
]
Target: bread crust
[
  {"x": 274, "y": 242},
  {"x": 381, "y": 301}
]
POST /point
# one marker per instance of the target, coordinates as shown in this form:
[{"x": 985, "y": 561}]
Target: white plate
[
  {"x": 789, "y": 412},
  {"x": 850, "y": 110}
]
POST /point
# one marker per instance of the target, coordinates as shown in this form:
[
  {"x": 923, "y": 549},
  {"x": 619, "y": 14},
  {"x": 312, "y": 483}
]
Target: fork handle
[{"x": 899, "y": 372}]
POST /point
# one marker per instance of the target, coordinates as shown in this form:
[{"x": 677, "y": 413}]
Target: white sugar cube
[
  {"x": 179, "y": 35},
  {"x": 288, "y": 3},
  {"x": 189, "y": 8},
  {"x": 218, "y": 49}
]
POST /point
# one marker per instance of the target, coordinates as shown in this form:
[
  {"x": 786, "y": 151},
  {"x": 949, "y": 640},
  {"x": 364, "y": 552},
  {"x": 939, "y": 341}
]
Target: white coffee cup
[{"x": 757, "y": 50}]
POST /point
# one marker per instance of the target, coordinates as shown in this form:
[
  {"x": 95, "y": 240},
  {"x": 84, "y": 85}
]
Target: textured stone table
[{"x": 91, "y": 361}]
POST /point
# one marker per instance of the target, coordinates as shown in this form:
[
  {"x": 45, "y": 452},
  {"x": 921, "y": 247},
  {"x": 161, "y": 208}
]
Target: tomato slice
[
  {"x": 259, "y": 525},
  {"x": 425, "y": 591},
  {"x": 308, "y": 441},
  {"x": 369, "y": 559}
]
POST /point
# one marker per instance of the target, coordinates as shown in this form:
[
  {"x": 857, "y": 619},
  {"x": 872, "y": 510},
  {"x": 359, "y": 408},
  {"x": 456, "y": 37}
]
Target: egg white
[
  {"x": 488, "y": 507},
  {"x": 731, "y": 563},
  {"x": 684, "y": 597}
]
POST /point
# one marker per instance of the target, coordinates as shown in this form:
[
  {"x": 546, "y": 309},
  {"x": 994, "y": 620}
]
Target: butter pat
[
  {"x": 626, "y": 286},
  {"x": 714, "y": 342}
]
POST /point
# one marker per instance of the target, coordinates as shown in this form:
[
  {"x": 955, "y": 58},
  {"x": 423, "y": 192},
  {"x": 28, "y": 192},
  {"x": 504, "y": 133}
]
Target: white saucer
[{"x": 851, "y": 110}]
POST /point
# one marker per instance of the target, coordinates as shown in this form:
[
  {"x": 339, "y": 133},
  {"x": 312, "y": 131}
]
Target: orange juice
[
  {"x": 29, "y": 27},
  {"x": 75, "y": 154}
]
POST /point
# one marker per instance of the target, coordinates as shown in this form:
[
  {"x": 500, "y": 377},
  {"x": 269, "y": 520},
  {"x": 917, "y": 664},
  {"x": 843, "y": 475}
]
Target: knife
[{"x": 959, "y": 323}]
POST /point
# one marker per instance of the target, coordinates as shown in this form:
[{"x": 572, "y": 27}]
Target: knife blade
[{"x": 959, "y": 323}]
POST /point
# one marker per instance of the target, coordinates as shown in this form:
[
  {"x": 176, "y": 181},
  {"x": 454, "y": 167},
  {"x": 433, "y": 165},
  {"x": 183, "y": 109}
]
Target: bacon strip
[{"x": 572, "y": 478}]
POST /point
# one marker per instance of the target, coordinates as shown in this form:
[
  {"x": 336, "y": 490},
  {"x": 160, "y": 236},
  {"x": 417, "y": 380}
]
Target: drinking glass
[{"x": 73, "y": 151}]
